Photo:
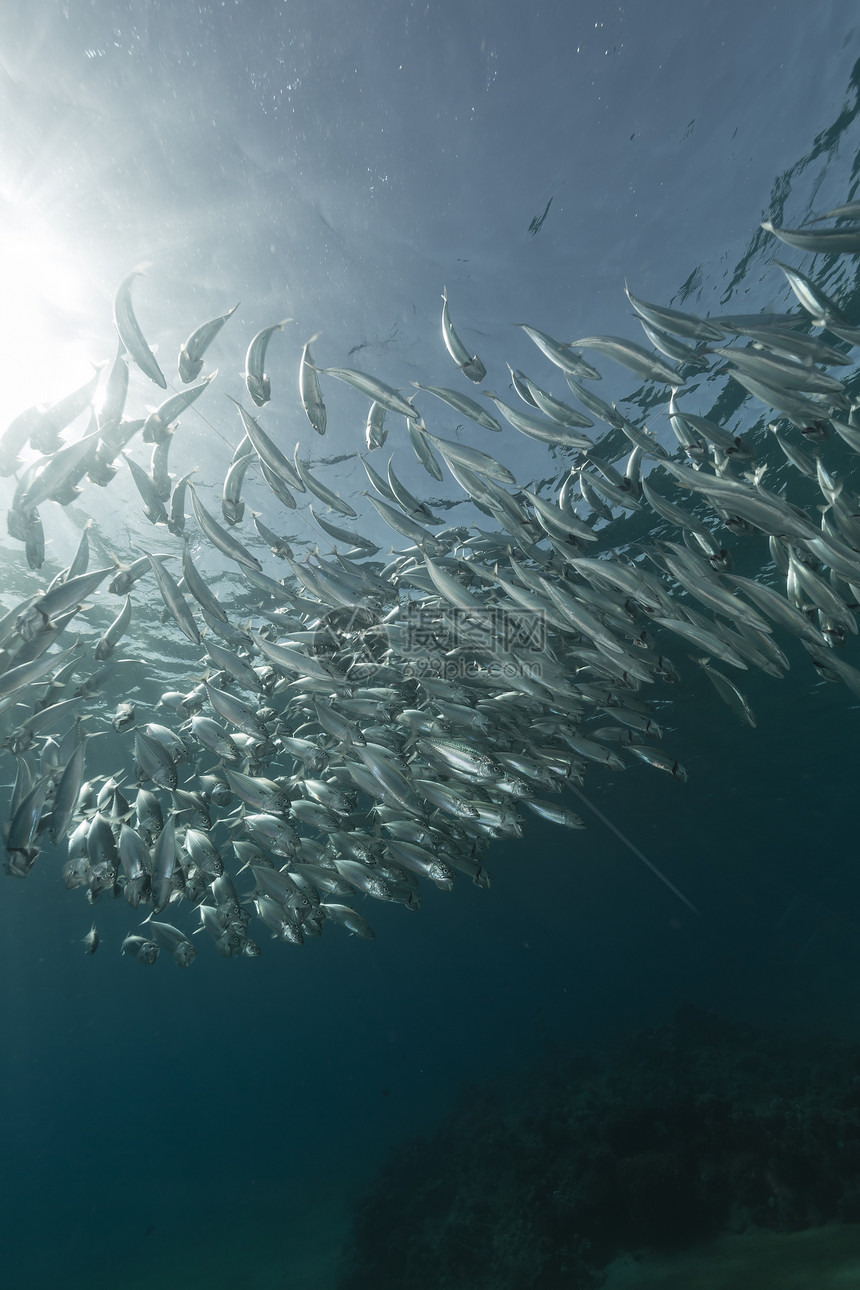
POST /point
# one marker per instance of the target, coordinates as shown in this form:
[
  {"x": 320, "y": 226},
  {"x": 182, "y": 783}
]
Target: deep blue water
[{"x": 212, "y": 1127}]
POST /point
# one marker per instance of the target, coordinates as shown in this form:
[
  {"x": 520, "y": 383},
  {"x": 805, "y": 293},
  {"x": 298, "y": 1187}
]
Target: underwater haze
[{"x": 377, "y": 1109}]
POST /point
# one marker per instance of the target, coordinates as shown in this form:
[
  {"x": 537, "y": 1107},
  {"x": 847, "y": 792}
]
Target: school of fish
[{"x": 380, "y": 718}]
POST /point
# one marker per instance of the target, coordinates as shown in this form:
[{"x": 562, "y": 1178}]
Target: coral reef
[{"x": 662, "y": 1142}]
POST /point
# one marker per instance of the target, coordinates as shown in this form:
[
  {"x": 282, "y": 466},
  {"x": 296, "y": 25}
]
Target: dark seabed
[{"x": 572, "y": 1077}]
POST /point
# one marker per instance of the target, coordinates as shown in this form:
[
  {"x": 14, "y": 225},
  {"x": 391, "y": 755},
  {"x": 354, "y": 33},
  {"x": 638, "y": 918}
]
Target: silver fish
[
  {"x": 674, "y": 320},
  {"x": 540, "y": 428},
  {"x": 463, "y": 404},
  {"x": 633, "y": 356},
  {"x": 153, "y": 505},
  {"x": 375, "y": 389},
  {"x": 232, "y": 506},
  {"x": 310, "y": 392},
  {"x": 472, "y": 458},
  {"x": 156, "y": 427},
  {"x": 174, "y": 600},
  {"x": 823, "y": 310},
  {"x": 562, "y": 354},
  {"x": 258, "y": 383},
  {"x": 828, "y": 241},
  {"x": 171, "y": 939},
  {"x": 270, "y": 455},
  {"x": 313, "y": 485},
  {"x": 192, "y": 351},
  {"x": 130, "y": 333},
  {"x": 140, "y": 948},
  {"x": 375, "y": 432},
  {"x": 470, "y": 365},
  {"x": 109, "y": 640},
  {"x": 418, "y": 439},
  {"x": 123, "y": 717},
  {"x": 219, "y": 537}
]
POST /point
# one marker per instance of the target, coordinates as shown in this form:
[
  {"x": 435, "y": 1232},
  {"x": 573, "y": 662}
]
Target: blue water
[{"x": 213, "y": 1127}]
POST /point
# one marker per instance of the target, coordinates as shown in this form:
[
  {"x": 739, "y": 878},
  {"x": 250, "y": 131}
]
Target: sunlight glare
[{"x": 44, "y": 293}]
